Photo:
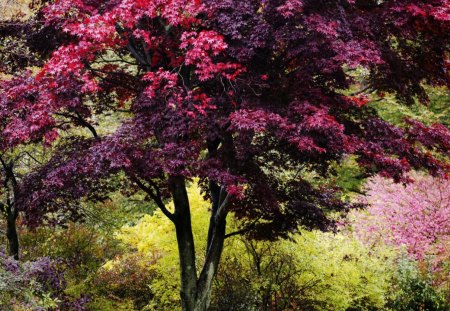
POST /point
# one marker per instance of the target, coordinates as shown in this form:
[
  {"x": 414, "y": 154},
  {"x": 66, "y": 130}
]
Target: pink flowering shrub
[{"x": 415, "y": 216}]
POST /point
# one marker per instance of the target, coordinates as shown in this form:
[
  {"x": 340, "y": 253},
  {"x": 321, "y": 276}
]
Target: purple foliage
[
  {"x": 29, "y": 281},
  {"x": 233, "y": 92}
]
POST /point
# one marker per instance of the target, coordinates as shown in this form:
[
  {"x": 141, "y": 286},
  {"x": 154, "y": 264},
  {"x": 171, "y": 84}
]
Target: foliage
[
  {"x": 34, "y": 285},
  {"x": 127, "y": 281},
  {"x": 415, "y": 291},
  {"x": 416, "y": 215},
  {"x": 314, "y": 271},
  {"x": 318, "y": 271},
  {"x": 228, "y": 91},
  {"x": 413, "y": 217},
  {"x": 349, "y": 177},
  {"x": 202, "y": 47},
  {"x": 436, "y": 111},
  {"x": 82, "y": 248},
  {"x": 11, "y": 8}
]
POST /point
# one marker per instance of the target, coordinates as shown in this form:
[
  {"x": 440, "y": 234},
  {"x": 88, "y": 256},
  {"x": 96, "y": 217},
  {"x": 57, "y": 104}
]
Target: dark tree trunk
[
  {"x": 9, "y": 208},
  {"x": 214, "y": 253},
  {"x": 195, "y": 292},
  {"x": 11, "y": 234},
  {"x": 185, "y": 240}
]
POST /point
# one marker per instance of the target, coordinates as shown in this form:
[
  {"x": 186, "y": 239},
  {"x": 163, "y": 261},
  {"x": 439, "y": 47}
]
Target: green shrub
[
  {"x": 312, "y": 271},
  {"x": 414, "y": 291}
]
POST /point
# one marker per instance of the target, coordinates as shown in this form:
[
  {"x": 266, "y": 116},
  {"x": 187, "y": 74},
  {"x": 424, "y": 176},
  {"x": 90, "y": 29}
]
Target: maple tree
[
  {"x": 21, "y": 50},
  {"x": 237, "y": 93}
]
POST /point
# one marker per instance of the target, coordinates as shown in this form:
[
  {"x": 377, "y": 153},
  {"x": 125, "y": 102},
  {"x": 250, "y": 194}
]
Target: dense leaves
[
  {"x": 314, "y": 270},
  {"x": 244, "y": 81},
  {"x": 414, "y": 291},
  {"x": 414, "y": 216}
]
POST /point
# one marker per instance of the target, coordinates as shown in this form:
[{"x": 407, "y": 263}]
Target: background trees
[{"x": 415, "y": 216}]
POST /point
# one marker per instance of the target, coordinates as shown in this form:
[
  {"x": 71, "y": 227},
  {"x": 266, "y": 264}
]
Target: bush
[
  {"x": 312, "y": 271},
  {"x": 414, "y": 291},
  {"x": 34, "y": 285},
  {"x": 128, "y": 280}
]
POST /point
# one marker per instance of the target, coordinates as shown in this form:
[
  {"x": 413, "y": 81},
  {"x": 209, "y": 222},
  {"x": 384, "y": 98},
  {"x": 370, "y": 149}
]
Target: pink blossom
[{"x": 415, "y": 215}]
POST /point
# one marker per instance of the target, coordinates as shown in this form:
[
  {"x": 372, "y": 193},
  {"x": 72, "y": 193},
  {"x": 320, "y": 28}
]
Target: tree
[
  {"x": 416, "y": 216},
  {"x": 244, "y": 95},
  {"x": 413, "y": 218},
  {"x": 21, "y": 50},
  {"x": 12, "y": 163}
]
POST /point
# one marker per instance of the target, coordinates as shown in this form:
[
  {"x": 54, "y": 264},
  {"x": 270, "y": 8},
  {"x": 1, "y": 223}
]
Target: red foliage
[{"x": 252, "y": 82}]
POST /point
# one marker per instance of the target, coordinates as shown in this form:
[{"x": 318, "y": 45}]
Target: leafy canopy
[{"x": 233, "y": 92}]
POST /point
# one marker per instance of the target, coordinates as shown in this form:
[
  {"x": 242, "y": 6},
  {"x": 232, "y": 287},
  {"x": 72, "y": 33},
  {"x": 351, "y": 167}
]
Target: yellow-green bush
[{"x": 313, "y": 271}]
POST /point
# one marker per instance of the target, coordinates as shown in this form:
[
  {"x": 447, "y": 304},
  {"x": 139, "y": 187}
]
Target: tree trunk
[
  {"x": 9, "y": 208},
  {"x": 204, "y": 284},
  {"x": 195, "y": 293},
  {"x": 12, "y": 236},
  {"x": 185, "y": 240},
  {"x": 11, "y": 229}
]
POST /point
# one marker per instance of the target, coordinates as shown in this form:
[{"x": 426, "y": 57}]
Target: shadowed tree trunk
[
  {"x": 11, "y": 232},
  {"x": 9, "y": 209},
  {"x": 195, "y": 290}
]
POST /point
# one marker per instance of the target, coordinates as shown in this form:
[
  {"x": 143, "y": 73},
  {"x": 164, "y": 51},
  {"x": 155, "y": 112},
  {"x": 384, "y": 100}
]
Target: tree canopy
[{"x": 244, "y": 95}]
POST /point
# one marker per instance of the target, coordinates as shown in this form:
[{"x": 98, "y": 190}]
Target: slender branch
[
  {"x": 239, "y": 232},
  {"x": 243, "y": 230},
  {"x": 87, "y": 124},
  {"x": 31, "y": 156},
  {"x": 131, "y": 47},
  {"x": 156, "y": 197},
  {"x": 81, "y": 120},
  {"x": 366, "y": 88},
  {"x": 115, "y": 61}
]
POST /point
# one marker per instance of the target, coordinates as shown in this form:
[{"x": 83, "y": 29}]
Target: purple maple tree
[
  {"x": 22, "y": 49},
  {"x": 237, "y": 93}
]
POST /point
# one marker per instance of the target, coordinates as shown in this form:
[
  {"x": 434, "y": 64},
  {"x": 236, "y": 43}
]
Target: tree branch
[
  {"x": 81, "y": 120},
  {"x": 239, "y": 232},
  {"x": 31, "y": 156},
  {"x": 131, "y": 47},
  {"x": 156, "y": 197},
  {"x": 366, "y": 88},
  {"x": 244, "y": 230},
  {"x": 222, "y": 210}
]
